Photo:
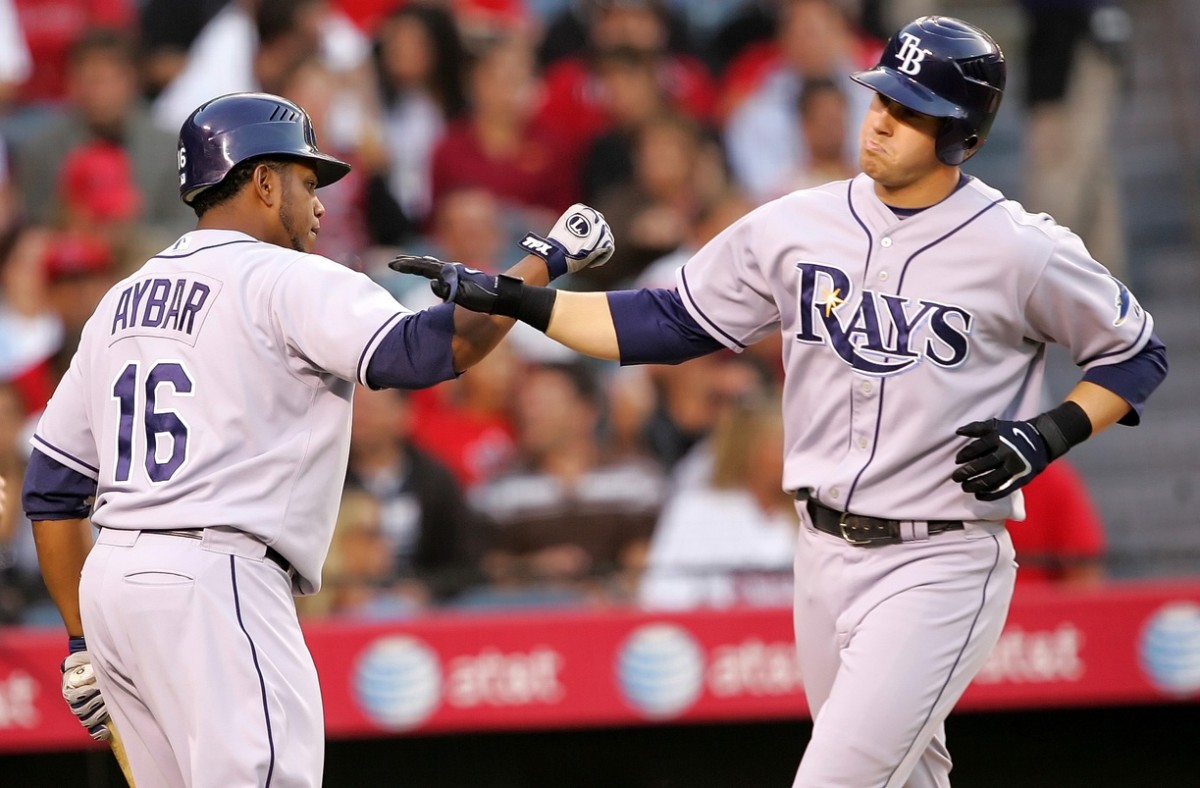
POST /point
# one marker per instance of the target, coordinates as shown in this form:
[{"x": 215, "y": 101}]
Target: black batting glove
[
  {"x": 1005, "y": 456},
  {"x": 467, "y": 287}
]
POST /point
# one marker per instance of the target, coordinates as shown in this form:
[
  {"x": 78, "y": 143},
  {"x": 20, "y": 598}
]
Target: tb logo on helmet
[{"x": 910, "y": 55}]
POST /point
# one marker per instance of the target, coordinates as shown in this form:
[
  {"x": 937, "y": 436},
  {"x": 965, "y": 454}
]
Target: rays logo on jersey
[
  {"x": 883, "y": 334},
  {"x": 1123, "y": 302}
]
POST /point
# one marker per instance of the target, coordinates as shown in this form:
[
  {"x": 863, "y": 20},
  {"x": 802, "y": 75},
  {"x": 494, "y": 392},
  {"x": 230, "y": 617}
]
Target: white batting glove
[
  {"x": 581, "y": 238},
  {"x": 80, "y": 692}
]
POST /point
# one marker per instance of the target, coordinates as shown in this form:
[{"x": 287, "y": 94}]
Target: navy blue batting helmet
[
  {"x": 948, "y": 69},
  {"x": 231, "y": 129}
]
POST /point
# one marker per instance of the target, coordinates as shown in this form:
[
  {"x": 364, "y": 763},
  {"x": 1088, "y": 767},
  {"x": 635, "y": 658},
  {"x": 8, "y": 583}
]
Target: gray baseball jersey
[
  {"x": 213, "y": 388},
  {"x": 900, "y": 330},
  {"x": 896, "y": 331}
]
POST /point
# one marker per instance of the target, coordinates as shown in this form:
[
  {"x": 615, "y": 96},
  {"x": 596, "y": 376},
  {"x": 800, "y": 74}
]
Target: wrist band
[
  {"x": 75, "y": 644},
  {"x": 1063, "y": 427},
  {"x": 549, "y": 250},
  {"x": 537, "y": 304},
  {"x": 529, "y": 304}
]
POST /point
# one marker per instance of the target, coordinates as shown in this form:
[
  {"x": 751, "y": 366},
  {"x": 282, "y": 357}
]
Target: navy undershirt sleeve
[
  {"x": 654, "y": 327},
  {"x": 1133, "y": 379},
  {"x": 53, "y": 491},
  {"x": 416, "y": 353}
]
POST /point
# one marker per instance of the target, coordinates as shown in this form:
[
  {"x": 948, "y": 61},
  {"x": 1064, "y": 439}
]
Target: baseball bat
[
  {"x": 81, "y": 676},
  {"x": 118, "y": 748}
]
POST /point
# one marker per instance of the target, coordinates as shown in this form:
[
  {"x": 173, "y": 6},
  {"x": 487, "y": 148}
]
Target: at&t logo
[
  {"x": 398, "y": 681},
  {"x": 660, "y": 669},
  {"x": 1170, "y": 649}
]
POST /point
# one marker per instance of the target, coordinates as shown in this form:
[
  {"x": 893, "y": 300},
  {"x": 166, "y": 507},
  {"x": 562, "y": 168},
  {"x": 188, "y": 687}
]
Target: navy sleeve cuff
[
  {"x": 1134, "y": 379},
  {"x": 417, "y": 352},
  {"x": 53, "y": 491},
  {"x": 654, "y": 327}
]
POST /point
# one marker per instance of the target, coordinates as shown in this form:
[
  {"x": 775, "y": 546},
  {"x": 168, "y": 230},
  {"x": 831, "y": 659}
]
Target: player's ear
[{"x": 265, "y": 182}]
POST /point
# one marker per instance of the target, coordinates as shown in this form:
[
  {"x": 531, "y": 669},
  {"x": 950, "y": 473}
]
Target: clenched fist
[{"x": 581, "y": 238}]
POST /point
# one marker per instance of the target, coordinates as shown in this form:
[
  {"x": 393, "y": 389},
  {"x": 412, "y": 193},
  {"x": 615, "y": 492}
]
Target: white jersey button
[
  {"x": 883, "y": 276},
  {"x": 833, "y": 493},
  {"x": 885, "y": 242},
  {"x": 862, "y": 442},
  {"x": 866, "y": 387}
]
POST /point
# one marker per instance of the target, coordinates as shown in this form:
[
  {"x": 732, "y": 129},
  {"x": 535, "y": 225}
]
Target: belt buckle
[{"x": 847, "y": 536}]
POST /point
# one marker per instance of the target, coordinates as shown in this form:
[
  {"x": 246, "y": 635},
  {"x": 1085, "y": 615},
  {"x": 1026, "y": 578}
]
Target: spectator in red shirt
[
  {"x": 575, "y": 101},
  {"x": 1061, "y": 539},
  {"x": 498, "y": 145},
  {"x": 629, "y": 79},
  {"x": 466, "y": 423},
  {"x": 51, "y": 28}
]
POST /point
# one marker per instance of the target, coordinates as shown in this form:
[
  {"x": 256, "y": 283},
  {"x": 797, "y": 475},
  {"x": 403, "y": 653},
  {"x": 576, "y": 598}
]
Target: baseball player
[
  {"x": 204, "y": 426},
  {"x": 916, "y": 304}
]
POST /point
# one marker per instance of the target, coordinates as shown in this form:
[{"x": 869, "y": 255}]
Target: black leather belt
[
  {"x": 859, "y": 530},
  {"x": 271, "y": 555}
]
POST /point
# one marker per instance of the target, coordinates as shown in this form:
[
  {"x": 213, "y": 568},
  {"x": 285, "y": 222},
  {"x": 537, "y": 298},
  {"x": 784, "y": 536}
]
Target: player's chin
[
  {"x": 870, "y": 162},
  {"x": 303, "y": 243}
]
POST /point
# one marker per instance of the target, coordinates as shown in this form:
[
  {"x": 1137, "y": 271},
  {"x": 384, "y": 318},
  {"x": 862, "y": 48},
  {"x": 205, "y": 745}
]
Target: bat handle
[{"x": 118, "y": 748}]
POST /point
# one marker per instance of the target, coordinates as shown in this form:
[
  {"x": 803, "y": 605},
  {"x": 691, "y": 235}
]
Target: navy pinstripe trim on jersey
[
  {"x": 863, "y": 225},
  {"x": 1120, "y": 351},
  {"x": 204, "y": 248},
  {"x": 962, "y": 649},
  {"x": 711, "y": 325},
  {"x": 39, "y": 439},
  {"x": 931, "y": 244},
  {"x": 360, "y": 371},
  {"x": 262, "y": 682},
  {"x": 866, "y": 270}
]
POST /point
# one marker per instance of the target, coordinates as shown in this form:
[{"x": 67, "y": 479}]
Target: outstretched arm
[
  {"x": 476, "y": 334},
  {"x": 579, "y": 239},
  {"x": 436, "y": 344},
  {"x": 584, "y": 322},
  {"x": 648, "y": 326}
]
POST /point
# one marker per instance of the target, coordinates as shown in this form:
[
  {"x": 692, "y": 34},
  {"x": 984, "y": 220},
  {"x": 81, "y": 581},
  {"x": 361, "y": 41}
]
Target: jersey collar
[
  {"x": 196, "y": 240},
  {"x": 879, "y": 216}
]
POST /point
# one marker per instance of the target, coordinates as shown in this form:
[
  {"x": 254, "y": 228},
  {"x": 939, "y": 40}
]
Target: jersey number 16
[{"x": 157, "y": 423}]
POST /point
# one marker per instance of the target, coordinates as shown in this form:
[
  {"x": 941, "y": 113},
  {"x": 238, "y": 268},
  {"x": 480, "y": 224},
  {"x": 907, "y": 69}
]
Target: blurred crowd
[{"x": 537, "y": 478}]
